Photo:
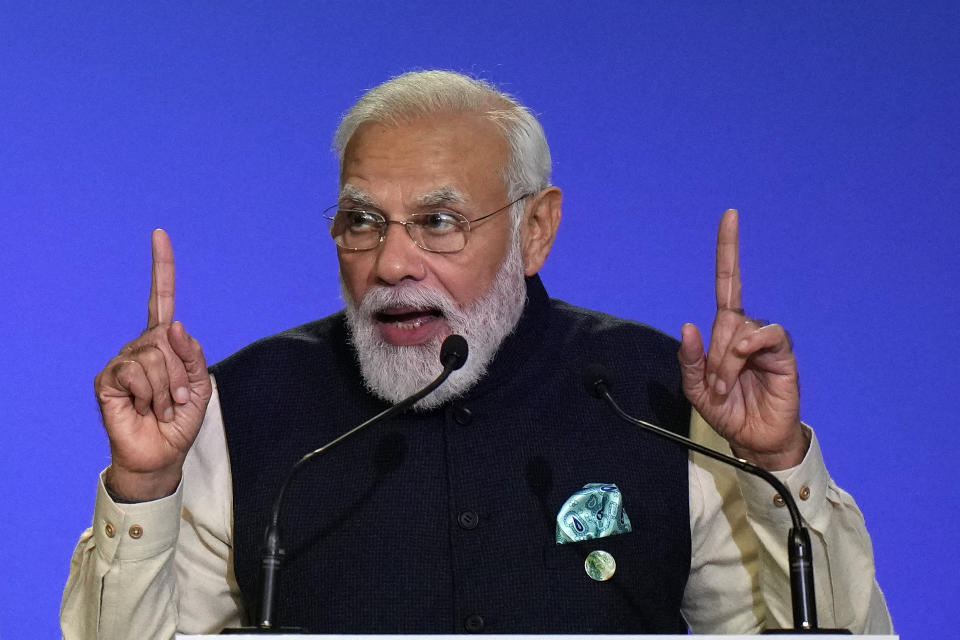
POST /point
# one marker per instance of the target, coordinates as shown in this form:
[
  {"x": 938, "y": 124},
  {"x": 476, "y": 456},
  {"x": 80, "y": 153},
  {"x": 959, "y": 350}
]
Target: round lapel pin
[{"x": 600, "y": 565}]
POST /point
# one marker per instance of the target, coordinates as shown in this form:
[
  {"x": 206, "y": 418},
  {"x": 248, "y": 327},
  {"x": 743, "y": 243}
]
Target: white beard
[{"x": 393, "y": 372}]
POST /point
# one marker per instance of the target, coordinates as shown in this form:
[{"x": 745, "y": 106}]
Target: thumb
[
  {"x": 692, "y": 362},
  {"x": 189, "y": 352}
]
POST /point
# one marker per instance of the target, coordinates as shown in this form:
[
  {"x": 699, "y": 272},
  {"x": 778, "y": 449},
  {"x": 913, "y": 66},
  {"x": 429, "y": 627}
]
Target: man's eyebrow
[
  {"x": 356, "y": 196},
  {"x": 441, "y": 195}
]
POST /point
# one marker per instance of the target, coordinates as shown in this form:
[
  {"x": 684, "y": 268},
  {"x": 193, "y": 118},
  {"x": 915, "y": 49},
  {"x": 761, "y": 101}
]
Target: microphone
[
  {"x": 802, "y": 593},
  {"x": 453, "y": 355}
]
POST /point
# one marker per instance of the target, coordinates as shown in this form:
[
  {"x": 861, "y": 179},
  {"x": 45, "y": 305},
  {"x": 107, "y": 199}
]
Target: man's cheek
[{"x": 353, "y": 277}]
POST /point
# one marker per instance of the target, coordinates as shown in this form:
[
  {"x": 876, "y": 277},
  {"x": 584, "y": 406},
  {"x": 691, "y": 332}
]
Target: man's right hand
[{"x": 153, "y": 395}]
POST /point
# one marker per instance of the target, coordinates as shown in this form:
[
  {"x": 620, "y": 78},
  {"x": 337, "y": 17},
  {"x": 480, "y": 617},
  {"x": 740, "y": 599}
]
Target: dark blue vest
[{"x": 444, "y": 521}]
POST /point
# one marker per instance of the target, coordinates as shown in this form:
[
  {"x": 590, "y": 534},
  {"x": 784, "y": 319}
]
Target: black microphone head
[
  {"x": 597, "y": 379},
  {"x": 453, "y": 352}
]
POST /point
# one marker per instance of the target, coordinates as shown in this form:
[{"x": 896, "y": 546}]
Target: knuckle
[
  {"x": 725, "y": 270},
  {"x": 120, "y": 367},
  {"x": 129, "y": 348},
  {"x": 731, "y": 317},
  {"x": 150, "y": 357},
  {"x": 151, "y": 336}
]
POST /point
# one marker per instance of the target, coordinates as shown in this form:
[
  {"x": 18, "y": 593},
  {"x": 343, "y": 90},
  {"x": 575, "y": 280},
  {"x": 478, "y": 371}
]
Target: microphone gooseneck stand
[
  {"x": 802, "y": 593},
  {"x": 453, "y": 355}
]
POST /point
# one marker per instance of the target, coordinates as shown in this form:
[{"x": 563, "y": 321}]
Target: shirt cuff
[
  {"x": 807, "y": 483},
  {"x": 136, "y": 531}
]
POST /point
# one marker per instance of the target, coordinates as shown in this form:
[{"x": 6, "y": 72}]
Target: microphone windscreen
[
  {"x": 453, "y": 352},
  {"x": 596, "y": 378}
]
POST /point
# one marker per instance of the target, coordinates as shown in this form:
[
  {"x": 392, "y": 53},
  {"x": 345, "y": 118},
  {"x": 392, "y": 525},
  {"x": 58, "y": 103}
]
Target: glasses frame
[{"x": 409, "y": 224}]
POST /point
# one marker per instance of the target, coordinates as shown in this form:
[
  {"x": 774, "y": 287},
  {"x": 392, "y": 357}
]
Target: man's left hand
[{"x": 746, "y": 385}]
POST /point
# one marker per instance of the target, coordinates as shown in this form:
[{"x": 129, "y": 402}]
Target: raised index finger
[
  {"x": 728, "y": 263},
  {"x": 160, "y": 305}
]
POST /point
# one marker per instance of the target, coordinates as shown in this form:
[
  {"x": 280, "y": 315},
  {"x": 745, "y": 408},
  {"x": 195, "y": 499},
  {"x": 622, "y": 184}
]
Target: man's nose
[{"x": 398, "y": 258}]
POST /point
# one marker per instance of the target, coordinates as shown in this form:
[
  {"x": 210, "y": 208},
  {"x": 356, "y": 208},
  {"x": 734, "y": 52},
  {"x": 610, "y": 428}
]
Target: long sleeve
[
  {"x": 739, "y": 577},
  {"x": 152, "y": 569},
  {"x": 121, "y": 575}
]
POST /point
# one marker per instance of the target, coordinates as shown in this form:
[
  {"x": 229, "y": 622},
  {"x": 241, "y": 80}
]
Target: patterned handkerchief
[{"x": 596, "y": 511}]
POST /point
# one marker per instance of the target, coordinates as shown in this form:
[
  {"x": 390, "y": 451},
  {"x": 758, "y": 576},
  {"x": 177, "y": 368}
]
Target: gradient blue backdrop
[{"x": 833, "y": 127}]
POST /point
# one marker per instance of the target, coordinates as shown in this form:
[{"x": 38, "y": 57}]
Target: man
[{"x": 453, "y": 517}]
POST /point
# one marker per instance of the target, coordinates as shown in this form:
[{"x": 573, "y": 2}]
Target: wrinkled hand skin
[
  {"x": 153, "y": 394},
  {"x": 745, "y": 385}
]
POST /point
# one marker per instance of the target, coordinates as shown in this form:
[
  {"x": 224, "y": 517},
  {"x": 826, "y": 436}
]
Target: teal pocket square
[{"x": 596, "y": 511}]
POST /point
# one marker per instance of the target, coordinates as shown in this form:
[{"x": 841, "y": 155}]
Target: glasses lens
[
  {"x": 356, "y": 229},
  {"x": 439, "y": 231}
]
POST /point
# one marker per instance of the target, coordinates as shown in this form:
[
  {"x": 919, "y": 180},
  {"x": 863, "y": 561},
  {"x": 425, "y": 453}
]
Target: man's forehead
[{"x": 429, "y": 160}]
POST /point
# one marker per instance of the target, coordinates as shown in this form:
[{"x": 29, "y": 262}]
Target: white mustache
[{"x": 381, "y": 298}]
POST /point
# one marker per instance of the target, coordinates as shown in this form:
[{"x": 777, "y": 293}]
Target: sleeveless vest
[{"x": 444, "y": 521}]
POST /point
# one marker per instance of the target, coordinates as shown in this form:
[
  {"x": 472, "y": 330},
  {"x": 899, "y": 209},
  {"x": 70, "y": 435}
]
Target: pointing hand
[
  {"x": 154, "y": 394},
  {"x": 745, "y": 386}
]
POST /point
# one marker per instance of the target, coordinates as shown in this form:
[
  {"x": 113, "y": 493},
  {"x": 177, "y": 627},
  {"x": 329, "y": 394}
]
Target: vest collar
[{"x": 520, "y": 344}]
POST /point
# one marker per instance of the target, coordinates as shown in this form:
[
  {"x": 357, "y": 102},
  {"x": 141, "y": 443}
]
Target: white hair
[{"x": 422, "y": 93}]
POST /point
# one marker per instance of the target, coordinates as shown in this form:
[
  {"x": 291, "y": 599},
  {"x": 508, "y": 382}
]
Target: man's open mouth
[{"x": 408, "y": 318}]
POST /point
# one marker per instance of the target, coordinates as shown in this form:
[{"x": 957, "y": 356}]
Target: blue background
[{"x": 833, "y": 127}]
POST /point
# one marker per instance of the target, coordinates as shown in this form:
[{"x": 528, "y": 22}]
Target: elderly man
[{"x": 475, "y": 510}]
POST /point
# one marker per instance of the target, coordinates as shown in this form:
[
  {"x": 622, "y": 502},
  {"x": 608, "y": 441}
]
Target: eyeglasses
[{"x": 435, "y": 231}]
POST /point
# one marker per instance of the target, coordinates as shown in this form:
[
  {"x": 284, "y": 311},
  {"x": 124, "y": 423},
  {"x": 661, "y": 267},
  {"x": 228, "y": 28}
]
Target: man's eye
[
  {"x": 439, "y": 222},
  {"x": 357, "y": 220}
]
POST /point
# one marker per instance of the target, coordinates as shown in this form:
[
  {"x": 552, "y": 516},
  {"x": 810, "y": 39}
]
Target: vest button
[
  {"x": 474, "y": 623},
  {"x": 468, "y": 520},
  {"x": 463, "y": 416}
]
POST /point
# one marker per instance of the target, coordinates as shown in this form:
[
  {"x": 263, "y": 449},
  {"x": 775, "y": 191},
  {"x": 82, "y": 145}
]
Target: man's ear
[{"x": 539, "y": 228}]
